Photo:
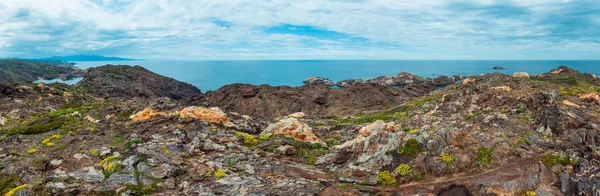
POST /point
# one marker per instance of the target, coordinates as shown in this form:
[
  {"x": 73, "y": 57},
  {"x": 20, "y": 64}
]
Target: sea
[{"x": 211, "y": 75}]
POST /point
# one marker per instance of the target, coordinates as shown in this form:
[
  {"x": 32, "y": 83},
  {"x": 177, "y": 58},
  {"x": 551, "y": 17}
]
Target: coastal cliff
[{"x": 124, "y": 130}]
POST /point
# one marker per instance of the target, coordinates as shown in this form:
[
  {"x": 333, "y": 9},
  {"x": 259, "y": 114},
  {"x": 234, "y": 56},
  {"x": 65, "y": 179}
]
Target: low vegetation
[
  {"x": 412, "y": 148},
  {"x": 386, "y": 178}
]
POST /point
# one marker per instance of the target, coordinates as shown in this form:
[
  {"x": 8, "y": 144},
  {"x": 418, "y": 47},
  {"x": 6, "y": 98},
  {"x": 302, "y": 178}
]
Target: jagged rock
[
  {"x": 521, "y": 75},
  {"x": 160, "y": 172},
  {"x": 88, "y": 174},
  {"x": 104, "y": 151},
  {"x": 313, "y": 80},
  {"x": 359, "y": 160},
  {"x": 146, "y": 114},
  {"x": 120, "y": 179},
  {"x": 294, "y": 128},
  {"x": 271, "y": 102},
  {"x": 213, "y": 115},
  {"x": 209, "y": 145}
]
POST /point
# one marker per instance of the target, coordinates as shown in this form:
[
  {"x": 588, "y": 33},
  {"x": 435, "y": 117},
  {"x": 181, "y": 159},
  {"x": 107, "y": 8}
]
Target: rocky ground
[{"x": 484, "y": 135}]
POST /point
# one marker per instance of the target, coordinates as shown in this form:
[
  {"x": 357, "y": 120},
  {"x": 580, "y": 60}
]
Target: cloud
[{"x": 311, "y": 29}]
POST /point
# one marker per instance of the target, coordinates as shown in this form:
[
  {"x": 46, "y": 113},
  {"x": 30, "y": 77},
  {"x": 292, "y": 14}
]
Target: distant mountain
[{"x": 86, "y": 58}]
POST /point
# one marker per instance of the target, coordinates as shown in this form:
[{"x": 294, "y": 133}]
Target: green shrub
[
  {"x": 412, "y": 148},
  {"x": 418, "y": 177},
  {"x": 403, "y": 169},
  {"x": 447, "y": 158},
  {"x": 130, "y": 143},
  {"x": 484, "y": 155},
  {"x": 386, "y": 178},
  {"x": 560, "y": 157},
  {"x": 220, "y": 173}
]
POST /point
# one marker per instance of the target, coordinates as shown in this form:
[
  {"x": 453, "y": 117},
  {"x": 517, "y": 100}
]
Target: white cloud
[{"x": 186, "y": 29}]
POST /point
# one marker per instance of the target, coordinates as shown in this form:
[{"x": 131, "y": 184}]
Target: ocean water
[{"x": 211, "y": 75}]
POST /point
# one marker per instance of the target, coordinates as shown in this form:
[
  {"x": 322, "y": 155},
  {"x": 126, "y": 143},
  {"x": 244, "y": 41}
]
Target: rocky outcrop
[
  {"x": 293, "y": 128},
  {"x": 359, "y": 160},
  {"x": 213, "y": 115},
  {"x": 443, "y": 80},
  {"x": 313, "y": 80},
  {"x": 127, "y": 82},
  {"x": 499, "y": 67},
  {"x": 277, "y": 101}
]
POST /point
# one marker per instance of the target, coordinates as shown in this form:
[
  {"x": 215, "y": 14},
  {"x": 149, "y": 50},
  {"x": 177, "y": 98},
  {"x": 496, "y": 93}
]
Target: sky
[{"x": 303, "y": 29}]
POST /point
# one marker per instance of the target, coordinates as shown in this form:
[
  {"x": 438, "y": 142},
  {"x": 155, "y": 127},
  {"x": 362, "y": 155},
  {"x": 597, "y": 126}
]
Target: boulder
[
  {"x": 360, "y": 159},
  {"x": 212, "y": 115},
  {"x": 521, "y": 75},
  {"x": 287, "y": 150},
  {"x": 499, "y": 67},
  {"x": 313, "y": 80},
  {"x": 294, "y": 128},
  {"x": 146, "y": 114},
  {"x": 591, "y": 97}
]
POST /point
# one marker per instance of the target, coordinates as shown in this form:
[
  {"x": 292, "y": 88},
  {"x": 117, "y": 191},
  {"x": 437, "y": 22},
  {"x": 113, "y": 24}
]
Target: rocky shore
[
  {"x": 124, "y": 130},
  {"x": 401, "y": 79}
]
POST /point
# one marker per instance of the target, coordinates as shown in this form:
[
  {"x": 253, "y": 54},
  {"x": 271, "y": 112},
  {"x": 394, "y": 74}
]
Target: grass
[
  {"x": 412, "y": 148},
  {"x": 484, "y": 155},
  {"x": 560, "y": 157},
  {"x": 7, "y": 182},
  {"x": 399, "y": 113},
  {"x": 130, "y": 143}
]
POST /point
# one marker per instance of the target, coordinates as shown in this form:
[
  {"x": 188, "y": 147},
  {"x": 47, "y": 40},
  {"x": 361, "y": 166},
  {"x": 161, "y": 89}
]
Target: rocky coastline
[{"x": 124, "y": 130}]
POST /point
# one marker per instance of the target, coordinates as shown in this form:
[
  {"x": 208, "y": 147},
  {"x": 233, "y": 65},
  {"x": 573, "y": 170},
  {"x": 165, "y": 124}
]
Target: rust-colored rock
[
  {"x": 521, "y": 75},
  {"x": 297, "y": 115},
  {"x": 468, "y": 81},
  {"x": 146, "y": 114},
  {"x": 294, "y": 128},
  {"x": 504, "y": 88},
  {"x": 213, "y": 115},
  {"x": 591, "y": 97}
]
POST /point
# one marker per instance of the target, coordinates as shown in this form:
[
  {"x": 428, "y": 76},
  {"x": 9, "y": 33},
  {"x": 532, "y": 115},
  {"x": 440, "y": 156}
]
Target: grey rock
[
  {"x": 314, "y": 80},
  {"x": 160, "y": 172},
  {"x": 88, "y": 174},
  {"x": 564, "y": 182},
  {"x": 120, "y": 179}
]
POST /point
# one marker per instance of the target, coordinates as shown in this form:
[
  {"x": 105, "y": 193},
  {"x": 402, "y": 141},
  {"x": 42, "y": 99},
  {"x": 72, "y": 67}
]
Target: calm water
[{"x": 211, "y": 75}]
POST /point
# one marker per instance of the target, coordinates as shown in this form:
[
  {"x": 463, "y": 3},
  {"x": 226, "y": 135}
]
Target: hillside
[
  {"x": 14, "y": 70},
  {"x": 492, "y": 134}
]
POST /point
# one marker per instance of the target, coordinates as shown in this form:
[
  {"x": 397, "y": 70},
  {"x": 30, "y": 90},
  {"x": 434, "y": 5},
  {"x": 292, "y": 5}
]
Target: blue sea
[{"x": 211, "y": 75}]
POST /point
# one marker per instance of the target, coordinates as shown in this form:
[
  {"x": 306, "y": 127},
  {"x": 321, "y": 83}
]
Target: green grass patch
[
  {"x": 412, "y": 148},
  {"x": 484, "y": 155},
  {"x": 560, "y": 157}
]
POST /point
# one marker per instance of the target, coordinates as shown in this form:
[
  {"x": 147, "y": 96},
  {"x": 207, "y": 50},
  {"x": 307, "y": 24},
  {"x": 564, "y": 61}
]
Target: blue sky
[{"x": 308, "y": 29}]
